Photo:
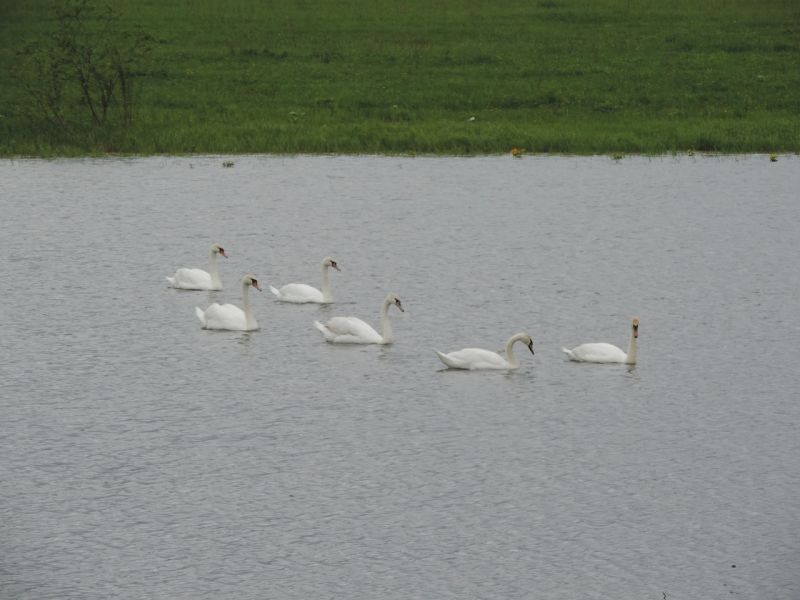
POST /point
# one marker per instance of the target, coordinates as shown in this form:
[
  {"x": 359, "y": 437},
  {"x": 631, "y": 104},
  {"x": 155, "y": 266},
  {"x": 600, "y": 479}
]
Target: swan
[
  {"x": 351, "y": 330},
  {"x": 229, "y": 316},
  {"x": 197, "y": 279},
  {"x": 600, "y": 352},
  {"x": 300, "y": 293},
  {"x": 478, "y": 358}
]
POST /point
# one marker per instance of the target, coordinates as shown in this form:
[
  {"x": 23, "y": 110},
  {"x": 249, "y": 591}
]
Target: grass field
[{"x": 450, "y": 77}]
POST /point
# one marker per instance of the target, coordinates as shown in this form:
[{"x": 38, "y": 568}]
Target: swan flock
[{"x": 352, "y": 330}]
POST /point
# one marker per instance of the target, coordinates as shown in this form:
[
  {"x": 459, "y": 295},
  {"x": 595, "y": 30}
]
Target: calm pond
[{"x": 145, "y": 457}]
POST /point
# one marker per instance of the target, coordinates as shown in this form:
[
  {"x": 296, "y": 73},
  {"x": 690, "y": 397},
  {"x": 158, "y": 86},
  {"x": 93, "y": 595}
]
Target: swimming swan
[
  {"x": 197, "y": 279},
  {"x": 351, "y": 330},
  {"x": 478, "y": 358},
  {"x": 300, "y": 292},
  {"x": 600, "y": 352},
  {"x": 229, "y": 316}
]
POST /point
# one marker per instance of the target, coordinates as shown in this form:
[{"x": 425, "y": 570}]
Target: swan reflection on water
[{"x": 245, "y": 338}]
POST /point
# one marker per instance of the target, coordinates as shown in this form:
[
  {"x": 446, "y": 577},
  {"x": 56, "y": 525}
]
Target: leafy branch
[{"x": 84, "y": 71}]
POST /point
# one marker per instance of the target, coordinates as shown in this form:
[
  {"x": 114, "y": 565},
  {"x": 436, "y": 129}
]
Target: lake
[{"x": 145, "y": 457}]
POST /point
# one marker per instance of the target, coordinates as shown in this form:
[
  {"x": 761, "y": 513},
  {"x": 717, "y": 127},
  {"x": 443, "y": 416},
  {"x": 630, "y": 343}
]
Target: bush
[{"x": 83, "y": 73}]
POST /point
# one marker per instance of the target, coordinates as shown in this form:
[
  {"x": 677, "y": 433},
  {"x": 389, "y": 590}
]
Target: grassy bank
[{"x": 454, "y": 77}]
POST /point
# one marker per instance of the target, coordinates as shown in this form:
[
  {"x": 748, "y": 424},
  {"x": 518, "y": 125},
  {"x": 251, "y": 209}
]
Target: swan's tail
[
  {"x": 275, "y": 291},
  {"x": 171, "y": 280},
  {"x": 325, "y": 331},
  {"x": 200, "y": 315},
  {"x": 569, "y": 353},
  {"x": 445, "y": 359}
]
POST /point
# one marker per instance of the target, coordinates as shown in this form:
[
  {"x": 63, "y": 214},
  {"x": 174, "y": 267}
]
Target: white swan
[
  {"x": 197, "y": 279},
  {"x": 229, "y": 316},
  {"x": 600, "y": 352},
  {"x": 478, "y": 358},
  {"x": 351, "y": 330},
  {"x": 300, "y": 293}
]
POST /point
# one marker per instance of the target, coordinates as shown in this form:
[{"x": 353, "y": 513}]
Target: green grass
[{"x": 407, "y": 76}]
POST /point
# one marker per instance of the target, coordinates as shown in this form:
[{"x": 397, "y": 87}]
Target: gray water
[{"x": 143, "y": 457}]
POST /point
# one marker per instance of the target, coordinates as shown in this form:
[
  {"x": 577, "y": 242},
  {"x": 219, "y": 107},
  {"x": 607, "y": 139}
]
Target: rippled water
[{"x": 144, "y": 457}]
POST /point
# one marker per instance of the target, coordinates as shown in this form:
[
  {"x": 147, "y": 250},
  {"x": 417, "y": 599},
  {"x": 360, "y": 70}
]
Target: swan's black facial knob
[
  {"x": 399, "y": 305},
  {"x": 530, "y": 347}
]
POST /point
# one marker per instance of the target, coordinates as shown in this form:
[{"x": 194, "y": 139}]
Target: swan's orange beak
[
  {"x": 221, "y": 251},
  {"x": 400, "y": 306},
  {"x": 255, "y": 285},
  {"x": 636, "y": 328},
  {"x": 335, "y": 266},
  {"x": 530, "y": 347}
]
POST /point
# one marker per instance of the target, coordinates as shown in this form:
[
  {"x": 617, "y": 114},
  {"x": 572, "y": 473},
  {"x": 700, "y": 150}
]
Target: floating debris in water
[{"x": 227, "y": 164}]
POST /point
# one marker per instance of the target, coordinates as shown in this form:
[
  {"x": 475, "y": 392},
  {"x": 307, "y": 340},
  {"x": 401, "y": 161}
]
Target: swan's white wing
[
  {"x": 450, "y": 362},
  {"x": 225, "y": 316},
  {"x": 299, "y": 292},
  {"x": 351, "y": 330},
  {"x": 597, "y": 352},
  {"x": 191, "y": 279},
  {"x": 474, "y": 358}
]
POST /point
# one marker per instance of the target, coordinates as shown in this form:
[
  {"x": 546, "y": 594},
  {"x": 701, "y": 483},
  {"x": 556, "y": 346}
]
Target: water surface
[{"x": 144, "y": 457}]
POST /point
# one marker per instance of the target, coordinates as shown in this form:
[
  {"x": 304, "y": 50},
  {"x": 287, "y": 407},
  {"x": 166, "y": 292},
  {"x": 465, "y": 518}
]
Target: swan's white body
[
  {"x": 301, "y": 293},
  {"x": 197, "y": 279},
  {"x": 600, "y": 352},
  {"x": 474, "y": 359},
  {"x": 230, "y": 316},
  {"x": 352, "y": 330}
]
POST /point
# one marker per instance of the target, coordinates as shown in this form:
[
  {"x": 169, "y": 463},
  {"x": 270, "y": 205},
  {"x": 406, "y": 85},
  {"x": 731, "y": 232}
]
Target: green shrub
[{"x": 83, "y": 73}]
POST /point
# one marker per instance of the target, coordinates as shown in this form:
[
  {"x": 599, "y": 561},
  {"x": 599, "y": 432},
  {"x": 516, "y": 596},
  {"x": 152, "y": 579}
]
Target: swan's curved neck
[
  {"x": 512, "y": 358},
  {"x": 212, "y": 270},
  {"x": 326, "y": 289},
  {"x": 630, "y": 358},
  {"x": 249, "y": 319},
  {"x": 386, "y": 325}
]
